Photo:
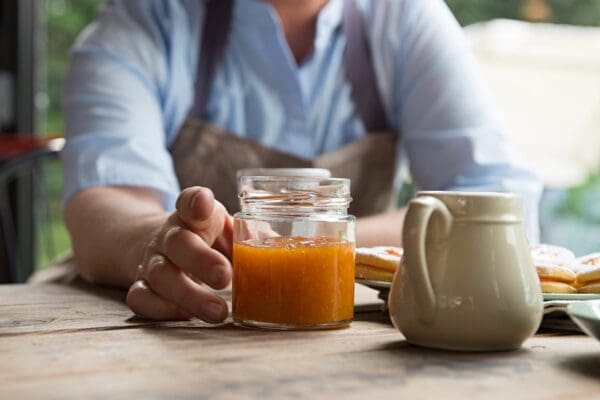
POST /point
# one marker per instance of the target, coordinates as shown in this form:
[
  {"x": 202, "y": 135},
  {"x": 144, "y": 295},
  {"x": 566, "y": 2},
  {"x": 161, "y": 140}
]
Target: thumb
[{"x": 201, "y": 213}]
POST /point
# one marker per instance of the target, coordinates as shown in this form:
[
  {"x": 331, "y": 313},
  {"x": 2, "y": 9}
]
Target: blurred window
[{"x": 541, "y": 61}]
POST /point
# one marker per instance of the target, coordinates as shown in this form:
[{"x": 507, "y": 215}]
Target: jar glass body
[{"x": 293, "y": 253}]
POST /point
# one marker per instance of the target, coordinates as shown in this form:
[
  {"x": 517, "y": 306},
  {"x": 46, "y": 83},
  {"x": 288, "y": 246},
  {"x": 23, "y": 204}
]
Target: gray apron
[{"x": 206, "y": 155}]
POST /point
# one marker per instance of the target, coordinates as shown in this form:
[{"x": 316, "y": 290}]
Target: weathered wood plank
[
  {"x": 93, "y": 351},
  {"x": 56, "y": 307}
]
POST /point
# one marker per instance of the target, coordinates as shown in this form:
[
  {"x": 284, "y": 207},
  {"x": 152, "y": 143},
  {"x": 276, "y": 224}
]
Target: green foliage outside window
[
  {"x": 583, "y": 201},
  {"x": 573, "y": 12},
  {"x": 60, "y": 23},
  {"x": 62, "y": 20}
]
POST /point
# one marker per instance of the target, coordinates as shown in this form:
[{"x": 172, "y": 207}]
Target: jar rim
[
  {"x": 293, "y": 192},
  {"x": 291, "y": 178},
  {"x": 285, "y": 172}
]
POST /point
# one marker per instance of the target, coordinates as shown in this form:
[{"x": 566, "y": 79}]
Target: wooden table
[{"x": 79, "y": 341}]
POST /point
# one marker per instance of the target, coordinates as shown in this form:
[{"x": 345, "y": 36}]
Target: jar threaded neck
[{"x": 294, "y": 195}]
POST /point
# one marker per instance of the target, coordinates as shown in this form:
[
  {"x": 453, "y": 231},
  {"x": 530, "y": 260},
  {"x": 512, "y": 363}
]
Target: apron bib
[{"x": 206, "y": 155}]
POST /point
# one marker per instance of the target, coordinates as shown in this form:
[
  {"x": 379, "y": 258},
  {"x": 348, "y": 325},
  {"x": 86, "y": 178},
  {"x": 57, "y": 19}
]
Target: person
[{"x": 164, "y": 95}]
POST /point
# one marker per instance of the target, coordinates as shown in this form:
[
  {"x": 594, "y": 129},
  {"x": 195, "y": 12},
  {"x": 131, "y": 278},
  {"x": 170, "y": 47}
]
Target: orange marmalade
[{"x": 293, "y": 282}]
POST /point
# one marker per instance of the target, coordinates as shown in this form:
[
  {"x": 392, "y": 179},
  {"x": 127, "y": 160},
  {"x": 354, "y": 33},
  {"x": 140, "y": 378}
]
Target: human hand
[{"x": 191, "y": 248}]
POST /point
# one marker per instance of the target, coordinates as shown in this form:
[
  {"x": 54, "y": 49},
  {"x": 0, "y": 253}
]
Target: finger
[
  {"x": 254, "y": 229},
  {"x": 190, "y": 253},
  {"x": 224, "y": 242},
  {"x": 198, "y": 210},
  {"x": 145, "y": 303},
  {"x": 186, "y": 204},
  {"x": 173, "y": 285}
]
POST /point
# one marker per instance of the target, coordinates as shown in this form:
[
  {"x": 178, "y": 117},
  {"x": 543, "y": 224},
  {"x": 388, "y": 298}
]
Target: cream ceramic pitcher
[{"x": 466, "y": 281}]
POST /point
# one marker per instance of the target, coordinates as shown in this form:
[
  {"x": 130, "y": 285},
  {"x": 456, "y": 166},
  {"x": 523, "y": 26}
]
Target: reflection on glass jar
[{"x": 293, "y": 253}]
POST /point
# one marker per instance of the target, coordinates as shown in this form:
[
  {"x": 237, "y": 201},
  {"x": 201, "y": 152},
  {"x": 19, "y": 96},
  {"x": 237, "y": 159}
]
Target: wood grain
[{"x": 79, "y": 341}]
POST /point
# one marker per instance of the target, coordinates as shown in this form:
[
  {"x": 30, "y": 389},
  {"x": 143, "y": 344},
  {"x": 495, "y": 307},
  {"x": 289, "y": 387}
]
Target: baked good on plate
[
  {"x": 555, "y": 278},
  {"x": 553, "y": 265},
  {"x": 588, "y": 273},
  {"x": 545, "y": 253},
  {"x": 377, "y": 263}
]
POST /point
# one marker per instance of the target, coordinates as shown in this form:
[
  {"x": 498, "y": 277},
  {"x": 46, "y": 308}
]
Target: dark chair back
[{"x": 22, "y": 170}]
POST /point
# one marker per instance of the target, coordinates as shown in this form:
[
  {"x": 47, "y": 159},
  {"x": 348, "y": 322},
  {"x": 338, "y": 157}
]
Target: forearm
[
  {"x": 381, "y": 229},
  {"x": 110, "y": 228}
]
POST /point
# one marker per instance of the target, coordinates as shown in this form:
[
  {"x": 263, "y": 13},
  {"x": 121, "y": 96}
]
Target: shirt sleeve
[
  {"x": 451, "y": 132},
  {"x": 119, "y": 97}
]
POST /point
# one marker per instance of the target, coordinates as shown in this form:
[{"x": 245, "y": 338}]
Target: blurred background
[{"x": 540, "y": 58}]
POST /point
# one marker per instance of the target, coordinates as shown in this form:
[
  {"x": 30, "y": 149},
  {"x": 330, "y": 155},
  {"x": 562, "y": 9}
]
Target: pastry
[
  {"x": 545, "y": 253},
  {"x": 373, "y": 274},
  {"x": 383, "y": 257},
  {"x": 593, "y": 287},
  {"x": 588, "y": 274},
  {"x": 591, "y": 260},
  {"x": 555, "y": 272},
  {"x": 553, "y": 265},
  {"x": 556, "y": 278},
  {"x": 556, "y": 287},
  {"x": 377, "y": 263}
]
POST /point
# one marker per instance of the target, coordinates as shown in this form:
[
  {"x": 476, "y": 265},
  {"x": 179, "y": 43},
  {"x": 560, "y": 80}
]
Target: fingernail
[
  {"x": 157, "y": 260},
  {"x": 215, "y": 311},
  {"x": 194, "y": 198},
  {"x": 139, "y": 272}
]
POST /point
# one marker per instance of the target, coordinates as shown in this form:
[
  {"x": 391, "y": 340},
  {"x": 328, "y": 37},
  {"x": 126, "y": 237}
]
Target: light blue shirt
[{"x": 132, "y": 72}]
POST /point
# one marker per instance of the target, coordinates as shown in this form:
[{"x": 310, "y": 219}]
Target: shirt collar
[
  {"x": 260, "y": 15},
  {"x": 329, "y": 19}
]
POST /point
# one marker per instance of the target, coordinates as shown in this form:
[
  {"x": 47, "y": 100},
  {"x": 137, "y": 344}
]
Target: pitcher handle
[{"x": 418, "y": 215}]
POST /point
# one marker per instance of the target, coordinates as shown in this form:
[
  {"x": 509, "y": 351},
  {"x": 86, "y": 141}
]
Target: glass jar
[{"x": 293, "y": 253}]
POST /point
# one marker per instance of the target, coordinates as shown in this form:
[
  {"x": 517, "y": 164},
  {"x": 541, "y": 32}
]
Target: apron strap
[
  {"x": 360, "y": 70},
  {"x": 217, "y": 22},
  {"x": 357, "y": 60}
]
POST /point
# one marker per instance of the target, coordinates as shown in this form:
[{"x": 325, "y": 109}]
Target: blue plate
[{"x": 570, "y": 296}]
